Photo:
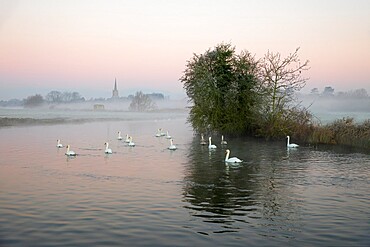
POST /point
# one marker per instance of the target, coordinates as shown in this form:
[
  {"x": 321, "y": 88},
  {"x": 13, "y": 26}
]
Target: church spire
[{"x": 115, "y": 91}]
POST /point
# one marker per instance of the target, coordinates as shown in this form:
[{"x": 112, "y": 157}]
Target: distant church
[{"x": 115, "y": 91}]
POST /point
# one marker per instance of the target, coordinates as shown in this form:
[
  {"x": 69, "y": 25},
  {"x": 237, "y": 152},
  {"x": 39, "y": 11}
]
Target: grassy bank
[{"x": 344, "y": 132}]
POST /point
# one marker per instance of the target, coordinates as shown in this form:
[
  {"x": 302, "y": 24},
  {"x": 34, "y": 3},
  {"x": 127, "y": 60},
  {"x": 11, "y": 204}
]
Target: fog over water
[
  {"x": 148, "y": 195},
  {"x": 329, "y": 109}
]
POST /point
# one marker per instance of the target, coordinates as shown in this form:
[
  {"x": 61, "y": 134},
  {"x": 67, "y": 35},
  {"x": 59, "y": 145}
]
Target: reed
[{"x": 342, "y": 132}]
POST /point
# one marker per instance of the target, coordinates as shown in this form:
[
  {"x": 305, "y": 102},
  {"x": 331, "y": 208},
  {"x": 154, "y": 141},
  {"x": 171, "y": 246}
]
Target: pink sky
[{"x": 83, "y": 45}]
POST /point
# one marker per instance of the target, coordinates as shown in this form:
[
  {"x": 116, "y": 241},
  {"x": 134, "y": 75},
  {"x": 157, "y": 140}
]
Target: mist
[{"x": 326, "y": 109}]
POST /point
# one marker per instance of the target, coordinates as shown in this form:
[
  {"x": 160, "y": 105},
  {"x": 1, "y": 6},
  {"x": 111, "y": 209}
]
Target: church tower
[{"x": 115, "y": 91}]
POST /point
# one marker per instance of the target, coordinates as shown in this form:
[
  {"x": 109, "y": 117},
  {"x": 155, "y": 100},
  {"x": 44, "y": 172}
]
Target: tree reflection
[{"x": 262, "y": 190}]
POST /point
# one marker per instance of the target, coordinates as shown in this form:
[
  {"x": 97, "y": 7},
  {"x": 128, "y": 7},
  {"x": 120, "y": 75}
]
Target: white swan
[
  {"x": 210, "y": 145},
  {"x": 232, "y": 159},
  {"x": 107, "y": 149},
  {"x": 223, "y": 142},
  {"x": 131, "y": 144},
  {"x": 168, "y": 136},
  {"x": 59, "y": 145},
  {"x": 172, "y": 146},
  {"x": 119, "y": 136},
  {"x": 202, "y": 141},
  {"x": 291, "y": 145},
  {"x": 127, "y": 140},
  {"x": 159, "y": 134},
  {"x": 70, "y": 152}
]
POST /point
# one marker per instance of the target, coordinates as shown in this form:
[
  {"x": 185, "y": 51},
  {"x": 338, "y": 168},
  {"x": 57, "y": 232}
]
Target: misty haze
[{"x": 184, "y": 123}]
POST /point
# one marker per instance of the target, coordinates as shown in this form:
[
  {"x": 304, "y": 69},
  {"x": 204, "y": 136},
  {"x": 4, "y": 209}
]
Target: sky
[{"x": 83, "y": 45}]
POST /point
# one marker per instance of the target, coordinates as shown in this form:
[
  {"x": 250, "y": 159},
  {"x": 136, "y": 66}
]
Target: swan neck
[{"x": 227, "y": 155}]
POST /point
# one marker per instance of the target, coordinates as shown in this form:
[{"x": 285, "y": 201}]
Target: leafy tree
[
  {"x": 328, "y": 91},
  {"x": 280, "y": 78},
  {"x": 221, "y": 86},
  {"x": 141, "y": 102},
  {"x": 33, "y": 101}
]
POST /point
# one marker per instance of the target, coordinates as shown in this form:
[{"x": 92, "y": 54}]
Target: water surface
[{"x": 150, "y": 196}]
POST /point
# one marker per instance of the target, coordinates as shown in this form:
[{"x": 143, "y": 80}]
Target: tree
[
  {"x": 315, "y": 91},
  {"x": 54, "y": 97},
  {"x": 141, "y": 102},
  {"x": 328, "y": 91},
  {"x": 221, "y": 86},
  {"x": 280, "y": 79},
  {"x": 33, "y": 101},
  {"x": 65, "y": 97},
  {"x": 360, "y": 93}
]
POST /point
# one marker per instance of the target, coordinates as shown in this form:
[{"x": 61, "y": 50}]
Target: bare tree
[
  {"x": 33, "y": 101},
  {"x": 280, "y": 79},
  {"x": 54, "y": 97},
  {"x": 141, "y": 102}
]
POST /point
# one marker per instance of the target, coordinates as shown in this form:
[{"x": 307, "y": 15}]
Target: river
[{"x": 148, "y": 195}]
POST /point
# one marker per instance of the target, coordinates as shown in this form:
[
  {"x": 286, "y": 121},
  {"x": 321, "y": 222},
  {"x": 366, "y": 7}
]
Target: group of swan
[
  {"x": 210, "y": 145},
  {"x": 160, "y": 133},
  {"x": 107, "y": 150},
  {"x": 213, "y": 147},
  {"x": 235, "y": 159},
  {"x": 68, "y": 152},
  {"x": 128, "y": 140},
  {"x": 172, "y": 146}
]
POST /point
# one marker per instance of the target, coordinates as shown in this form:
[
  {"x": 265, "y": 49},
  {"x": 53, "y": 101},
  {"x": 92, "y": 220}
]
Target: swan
[
  {"x": 291, "y": 145},
  {"x": 210, "y": 145},
  {"x": 131, "y": 144},
  {"x": 127, "y": 140},
  {"x": 168, "y": 136},
  {"x": 232, "y": 159},
  {"x": 107, "y": 149},
  {"x": 119, "y": 136},
  {"x": 172, "y": 146},
  {"x": 202, "y": 141},
  {"x": 70, "y": 152},
  {"x": 223, "y": 142},
  {"x": 59, "y": 145},
  {"x": 159, "y": 134}
]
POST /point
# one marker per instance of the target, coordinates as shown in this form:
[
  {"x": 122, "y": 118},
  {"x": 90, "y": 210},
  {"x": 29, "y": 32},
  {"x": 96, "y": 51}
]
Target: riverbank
[{"x": 30, "y": 117}]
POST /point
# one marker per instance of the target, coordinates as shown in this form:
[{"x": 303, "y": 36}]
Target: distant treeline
[
  {"x": 356, "y": 100},
  {"x": 57, "y": 97},
  {"x": 330, "y": 92}
]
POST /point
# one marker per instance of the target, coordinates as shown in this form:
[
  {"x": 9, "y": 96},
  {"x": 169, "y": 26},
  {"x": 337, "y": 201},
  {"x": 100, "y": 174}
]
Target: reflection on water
[
  {"x": 148, "y": 195},
  {"x": 288, "y": 195}
]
